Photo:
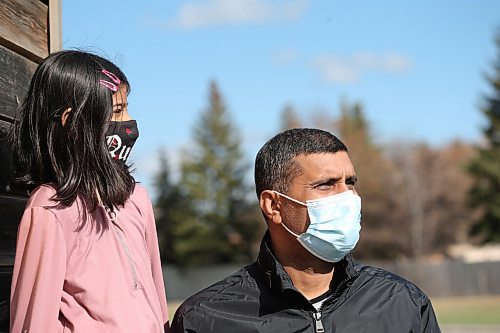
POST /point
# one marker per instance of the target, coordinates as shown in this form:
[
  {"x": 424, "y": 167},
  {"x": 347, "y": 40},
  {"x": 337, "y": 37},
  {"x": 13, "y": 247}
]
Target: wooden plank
[
  {"x": 6, "y": 168},
  {"x": 15, "y": 76},
  {"x": 11, "y": 211},
  {"x": 5, "y": 155},
  {"x": 55, "y": 26},
  {"x": 24, "y": 27}
]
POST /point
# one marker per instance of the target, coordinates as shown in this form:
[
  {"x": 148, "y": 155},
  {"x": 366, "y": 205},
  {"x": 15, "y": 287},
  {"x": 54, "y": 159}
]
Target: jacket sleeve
[
  {"x": 39, "y": 272},
  {"x": 182, "y": 323},
  {"x": 429, "y": 322},
  {"x": 156, "y": 268}
]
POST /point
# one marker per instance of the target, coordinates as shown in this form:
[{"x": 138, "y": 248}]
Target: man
[{"x": 304, "y": 279}]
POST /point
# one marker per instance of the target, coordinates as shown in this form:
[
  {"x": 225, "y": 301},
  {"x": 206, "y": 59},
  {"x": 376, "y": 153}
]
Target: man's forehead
[
  {"x": 314, "y": 157},
  {"x": 338, "y": 162}
]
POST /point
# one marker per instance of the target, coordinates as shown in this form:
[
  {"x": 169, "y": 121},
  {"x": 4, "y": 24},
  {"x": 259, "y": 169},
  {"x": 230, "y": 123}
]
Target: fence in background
[
  {"x": 451, "y": 278},
  {"x": 444, "y": 279},
  {"x": 182, "y": 283}
]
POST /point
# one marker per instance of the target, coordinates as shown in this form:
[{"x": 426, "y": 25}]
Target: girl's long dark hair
[{"x": 72, "y": 157}]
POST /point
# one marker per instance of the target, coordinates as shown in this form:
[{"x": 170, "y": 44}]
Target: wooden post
[{"x": 55, "y": 30}]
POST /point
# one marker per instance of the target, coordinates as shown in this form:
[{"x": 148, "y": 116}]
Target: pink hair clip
[{"x": 110, "y": 85}]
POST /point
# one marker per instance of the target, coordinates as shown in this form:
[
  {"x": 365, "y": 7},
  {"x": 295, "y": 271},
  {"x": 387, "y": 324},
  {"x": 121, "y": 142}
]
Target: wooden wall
[
  {"x": 25, "y": 39},
  {"x": 24, "y": 28},
  {"x": 29, "y": 30},
  {"x": 15, "y": 76}
]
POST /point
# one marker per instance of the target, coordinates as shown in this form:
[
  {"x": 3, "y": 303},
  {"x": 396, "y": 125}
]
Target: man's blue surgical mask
[{"x": 334, "y": 225}]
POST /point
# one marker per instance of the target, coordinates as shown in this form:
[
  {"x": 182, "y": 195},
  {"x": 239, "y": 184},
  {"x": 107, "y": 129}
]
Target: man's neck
[
  {"x": 310, "y": 275},
  {"x": 310, "y": 282}
]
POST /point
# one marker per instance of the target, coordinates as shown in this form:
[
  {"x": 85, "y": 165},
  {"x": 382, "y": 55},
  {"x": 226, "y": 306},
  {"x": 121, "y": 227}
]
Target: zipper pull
[{"x": 319, "y": 324}]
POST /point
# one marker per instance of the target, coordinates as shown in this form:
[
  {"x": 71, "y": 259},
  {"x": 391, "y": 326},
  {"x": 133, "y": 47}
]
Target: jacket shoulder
[
  {"x": 227, "y": 289},
  {"x": 140, "y": 195},
  {"x": 139, "y": 199},
  {"x": 42, "y": 196},
  {"x": 140, "y": 191},
  {"x": 392, "y": 280}
]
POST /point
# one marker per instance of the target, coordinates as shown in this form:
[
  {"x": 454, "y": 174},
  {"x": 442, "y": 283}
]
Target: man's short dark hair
[{"x": 275, "y": 165}]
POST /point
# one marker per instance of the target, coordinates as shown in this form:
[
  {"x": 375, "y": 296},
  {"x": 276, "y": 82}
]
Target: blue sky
[{"x": 417, "y": 66}]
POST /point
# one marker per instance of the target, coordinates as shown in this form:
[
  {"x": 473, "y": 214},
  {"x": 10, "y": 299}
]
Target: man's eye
[
  {"x": 351, "y": 182},
  {"x": 325, "y": 186}
]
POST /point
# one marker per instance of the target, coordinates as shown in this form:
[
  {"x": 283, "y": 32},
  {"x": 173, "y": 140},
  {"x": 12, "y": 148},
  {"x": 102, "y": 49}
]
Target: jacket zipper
[
  {"x": 112, "y": 215},
  {"x": 334, "y": 295},
  {"x": 318, "y": 324},
  {"x": 135, "y": 281}
]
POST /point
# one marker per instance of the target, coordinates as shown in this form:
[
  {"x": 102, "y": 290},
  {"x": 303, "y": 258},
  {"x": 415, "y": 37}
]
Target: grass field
[
  {"x": 172, "y": 306},
  {"x": 484, "y": 310},
  {"x": 475, "y": 311}
]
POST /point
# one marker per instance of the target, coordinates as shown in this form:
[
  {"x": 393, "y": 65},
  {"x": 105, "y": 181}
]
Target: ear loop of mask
[
  {"x": 294, "y": 200},
  {"x": 291, "y": 199},
  {"x": 290, "y": 231}
]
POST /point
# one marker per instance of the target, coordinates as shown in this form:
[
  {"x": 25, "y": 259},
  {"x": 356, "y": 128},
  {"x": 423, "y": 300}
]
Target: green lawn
[
  {"x": 484, "y": 310},
  {"x": 172, "y": 306}
]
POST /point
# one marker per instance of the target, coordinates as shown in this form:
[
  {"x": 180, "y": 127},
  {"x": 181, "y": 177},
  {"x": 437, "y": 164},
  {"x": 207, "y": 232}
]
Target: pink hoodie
[{"x": 98, "y": 276}]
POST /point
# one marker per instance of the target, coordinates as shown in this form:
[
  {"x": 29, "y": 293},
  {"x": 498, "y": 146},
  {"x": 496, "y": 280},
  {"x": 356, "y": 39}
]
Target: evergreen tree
[
  {"x": 174, "y": 215},
  {"x": 485, "y": 168},
  {"x": 213, "y": 177},
  {"x": 289, "y": 118},
  {"x": 379, "y": 218}
]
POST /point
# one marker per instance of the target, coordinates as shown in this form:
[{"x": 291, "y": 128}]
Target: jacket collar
[{"x": 279, "y": 281}]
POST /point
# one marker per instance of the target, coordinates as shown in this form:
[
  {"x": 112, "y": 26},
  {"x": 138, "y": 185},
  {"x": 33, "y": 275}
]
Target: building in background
[{"x": 29, "y": 31}]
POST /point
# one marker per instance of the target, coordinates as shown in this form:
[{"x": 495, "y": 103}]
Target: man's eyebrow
[
  {"x": 352, "y": 178},
  {"x": 325, "y": 180}
]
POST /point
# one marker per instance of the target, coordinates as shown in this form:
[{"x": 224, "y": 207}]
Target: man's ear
[{"x": 270, "y": 206}]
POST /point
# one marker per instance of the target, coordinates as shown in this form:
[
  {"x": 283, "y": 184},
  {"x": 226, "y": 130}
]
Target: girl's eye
[{"x": 119, "y": 107}]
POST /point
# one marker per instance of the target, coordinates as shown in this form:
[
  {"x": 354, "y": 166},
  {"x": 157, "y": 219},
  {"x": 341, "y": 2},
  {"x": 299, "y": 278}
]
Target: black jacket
[{"x": 261, "y": 298}]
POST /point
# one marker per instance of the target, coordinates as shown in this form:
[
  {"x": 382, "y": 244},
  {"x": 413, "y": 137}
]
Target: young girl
[{"x": 87, "y": 257}]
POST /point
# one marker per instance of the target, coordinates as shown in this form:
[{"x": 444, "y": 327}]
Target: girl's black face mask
[{"x": 120, "y": 138}]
